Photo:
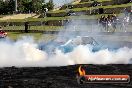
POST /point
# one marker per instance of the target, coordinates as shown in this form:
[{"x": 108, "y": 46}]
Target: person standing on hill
[
  {"x": 26, "y": 27},
  {"x": 114, "y": 21},
  {"x": 126, "y": 12},
  {"x": 130, "y": 17}
]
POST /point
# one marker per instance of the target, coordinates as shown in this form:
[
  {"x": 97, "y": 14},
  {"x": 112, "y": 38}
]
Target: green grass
[
  {"x": 90, "y": 17},
  {"x": 18, "y": 35},
  {"x": 91, "y": 2},
  {"x": 36, "y": 36},
  {"x": 46, "y": 19},
  {"x": 34, "y": 19},
  {"x": 88, "y": 8},
  {"x": 14, "y": 20},
  {"x": 56, "y": 18}
]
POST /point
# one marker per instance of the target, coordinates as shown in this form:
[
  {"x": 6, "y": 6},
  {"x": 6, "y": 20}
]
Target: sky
[{"x": 60, "y": 2}]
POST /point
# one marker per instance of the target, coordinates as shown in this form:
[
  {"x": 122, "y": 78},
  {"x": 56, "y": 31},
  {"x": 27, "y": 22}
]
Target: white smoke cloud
[
  {"x": 19, "y": 53},
  {"x": 25, "y": 52}
]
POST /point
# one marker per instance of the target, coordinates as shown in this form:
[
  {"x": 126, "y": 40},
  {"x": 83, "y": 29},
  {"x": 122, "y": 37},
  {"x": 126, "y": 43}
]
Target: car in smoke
[
  {"x": 68, "y": 45},
  {"x": 79, "y": 40},
  {"x": 3, "y": 34}
]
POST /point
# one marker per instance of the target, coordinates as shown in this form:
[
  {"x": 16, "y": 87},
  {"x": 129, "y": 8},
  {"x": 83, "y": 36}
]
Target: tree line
[{"x": 25, "y": 6}]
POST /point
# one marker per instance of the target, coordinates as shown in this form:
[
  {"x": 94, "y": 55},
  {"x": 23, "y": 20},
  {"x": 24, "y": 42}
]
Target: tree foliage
[
  {"x": 50, "y": 5},
  {"x": 25, "y": 6},
  {"x": 6, "y": 7}
]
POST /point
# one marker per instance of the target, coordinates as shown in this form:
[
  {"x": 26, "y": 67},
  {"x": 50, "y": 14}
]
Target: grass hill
[
  {"x": 56, "y": 18},
  {"x": 15, "y": 24}
]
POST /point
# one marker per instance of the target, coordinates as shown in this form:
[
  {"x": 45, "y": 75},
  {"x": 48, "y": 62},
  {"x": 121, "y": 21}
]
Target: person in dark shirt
[
  {"x": 126, "y": 12},
  {"x": 26, "y": 27},
  {"x": 109, "y": 18},
  {"x": 114, "y": 21},
  {"x": 103, "y": 21}
]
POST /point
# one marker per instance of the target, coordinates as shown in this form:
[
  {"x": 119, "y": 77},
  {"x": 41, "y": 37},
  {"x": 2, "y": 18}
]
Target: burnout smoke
[{"x": 25, "y": 52}]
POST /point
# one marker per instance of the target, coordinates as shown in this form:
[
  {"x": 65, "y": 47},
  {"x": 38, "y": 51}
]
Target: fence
[
  {"x": 72, "y": 25},
  {"x": 94, "y": 26}
]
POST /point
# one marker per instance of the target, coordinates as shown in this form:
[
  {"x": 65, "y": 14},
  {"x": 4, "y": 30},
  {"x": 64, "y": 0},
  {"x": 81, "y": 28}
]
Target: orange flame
[{"x": 81, "y": 71}]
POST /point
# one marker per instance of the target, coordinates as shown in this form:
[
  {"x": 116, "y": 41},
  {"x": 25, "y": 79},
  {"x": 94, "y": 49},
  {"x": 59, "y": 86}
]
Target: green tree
[
  {"x": 11, "y": 6},
  {"x": 1, "y": 7},
  {"x": 30, "y": 5},
  {"x": 50, "y": 5},
  {"x": 37, "y": 5},
  {"x": 27, "y": 5},
  {"x": 24, "y": 6},
  {"x": 7, "y": 6}
]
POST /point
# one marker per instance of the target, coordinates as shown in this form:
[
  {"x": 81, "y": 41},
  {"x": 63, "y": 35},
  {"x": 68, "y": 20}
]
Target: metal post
[{"x": 90, "y": 10}]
